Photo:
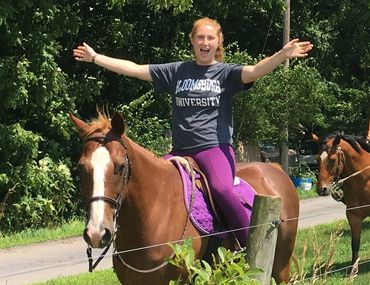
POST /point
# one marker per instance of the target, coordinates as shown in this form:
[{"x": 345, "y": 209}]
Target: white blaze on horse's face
[{"x": 100, "y": 159}]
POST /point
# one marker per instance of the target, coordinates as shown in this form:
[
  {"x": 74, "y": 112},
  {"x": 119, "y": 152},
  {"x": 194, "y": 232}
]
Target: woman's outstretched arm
[{"x": 121, "y": 66}]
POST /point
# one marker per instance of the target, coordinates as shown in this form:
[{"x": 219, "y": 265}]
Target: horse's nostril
[
  {"x": 106, "y": 237},
  {"x": 322, "y": 191}
]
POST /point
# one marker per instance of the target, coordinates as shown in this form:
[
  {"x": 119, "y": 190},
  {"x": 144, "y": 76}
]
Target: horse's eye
[{"x": 118, "y": 168}]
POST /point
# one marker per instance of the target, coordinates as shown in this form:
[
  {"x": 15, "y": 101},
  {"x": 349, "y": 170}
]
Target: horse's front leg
[{"x": 355, "y": 222}]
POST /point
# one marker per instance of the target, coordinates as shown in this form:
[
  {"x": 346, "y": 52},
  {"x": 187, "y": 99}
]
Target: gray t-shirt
[{"x": 201, "y": 101}]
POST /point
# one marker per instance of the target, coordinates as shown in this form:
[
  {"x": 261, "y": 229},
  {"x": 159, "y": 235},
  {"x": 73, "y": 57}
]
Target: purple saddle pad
[{"x": 200, "y": 211}]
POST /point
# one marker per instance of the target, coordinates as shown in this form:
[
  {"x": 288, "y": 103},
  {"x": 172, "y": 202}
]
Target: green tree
[
  {"x": 292, "y": 95},
  {"x": 40, "y": 82},
  {"x": 36, "y": 96}
]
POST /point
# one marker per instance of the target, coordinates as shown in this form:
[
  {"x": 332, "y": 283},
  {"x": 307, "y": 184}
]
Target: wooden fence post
[{"x": 261, "y": 242}]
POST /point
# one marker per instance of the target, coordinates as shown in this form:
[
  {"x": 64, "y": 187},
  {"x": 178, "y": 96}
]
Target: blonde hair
[{"x": 207, "y": 21}]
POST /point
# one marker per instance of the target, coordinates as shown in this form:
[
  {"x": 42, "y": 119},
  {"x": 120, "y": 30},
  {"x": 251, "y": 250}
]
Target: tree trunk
[{"x": 247, "y": 152}]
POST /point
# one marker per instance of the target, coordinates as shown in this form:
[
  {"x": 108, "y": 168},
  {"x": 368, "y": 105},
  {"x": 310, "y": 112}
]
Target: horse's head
[
  {"x": 330, "y": 161},
  {"x": 104, "y": 170}
]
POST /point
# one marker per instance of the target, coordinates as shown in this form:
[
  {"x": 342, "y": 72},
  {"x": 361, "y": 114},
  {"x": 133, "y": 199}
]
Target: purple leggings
[{"x": 218, "y": 164}]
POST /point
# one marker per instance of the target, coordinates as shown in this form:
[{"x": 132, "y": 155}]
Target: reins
[
  {"x": 354, "y": 174},
  {"x": 341, "y": 181}
]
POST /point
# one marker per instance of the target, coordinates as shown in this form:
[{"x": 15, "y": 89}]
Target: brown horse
[
  {"x": 118, "y": 175},
  {"x": 345, "y": 161}
]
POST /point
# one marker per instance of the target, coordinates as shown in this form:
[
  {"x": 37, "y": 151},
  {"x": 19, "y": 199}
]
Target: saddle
[
  {"x": 203, "y": 212},
  {"x": 199, "y": 180}
]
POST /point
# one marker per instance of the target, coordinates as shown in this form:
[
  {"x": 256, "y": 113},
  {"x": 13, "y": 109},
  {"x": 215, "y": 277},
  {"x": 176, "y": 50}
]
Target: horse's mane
[
  {"x": 100, "y": 124},
  {"x": 325, "y": 138},
  {"x": 356, "y": 142}
]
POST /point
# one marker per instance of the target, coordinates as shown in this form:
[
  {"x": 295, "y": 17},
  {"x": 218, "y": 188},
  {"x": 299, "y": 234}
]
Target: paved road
[{"x": 45, "y": 261}]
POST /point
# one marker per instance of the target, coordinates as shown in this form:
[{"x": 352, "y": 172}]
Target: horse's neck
[
  {"x": 153, "y": 187},
  {"x": 355, "y": 161},
  {"x": 148, "y": 172}
]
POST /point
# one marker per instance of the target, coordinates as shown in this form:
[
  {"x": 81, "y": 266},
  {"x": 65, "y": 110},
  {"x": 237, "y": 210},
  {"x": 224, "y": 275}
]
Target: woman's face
[{"x": 205, "y": 42}]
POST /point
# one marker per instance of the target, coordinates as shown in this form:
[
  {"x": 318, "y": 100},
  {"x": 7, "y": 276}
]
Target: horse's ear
[
  {"x": 336, "y": 142},
  {"x": 81, "y": 126},
  {"x": 118, "y": 124},
  {"x": 315, "y": 138}
]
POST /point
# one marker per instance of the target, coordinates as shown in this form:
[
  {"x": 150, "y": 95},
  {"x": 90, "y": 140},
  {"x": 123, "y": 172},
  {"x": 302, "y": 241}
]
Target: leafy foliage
[
  {"x": 147, "y": 130},
  {"x": 228, "y": 268},
  {"x": 42, "y": 196}
]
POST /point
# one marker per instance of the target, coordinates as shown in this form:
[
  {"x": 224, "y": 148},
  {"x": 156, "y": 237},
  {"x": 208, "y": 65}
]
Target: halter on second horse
[{"x": 336, "y": 186}]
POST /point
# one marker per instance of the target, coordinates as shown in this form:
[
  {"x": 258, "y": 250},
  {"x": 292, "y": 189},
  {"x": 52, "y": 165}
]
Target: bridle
[
  {"x": 335, "y": 188},
  {"x": 340, "y": 163},
  {"x": 125, "y": 169},
  {"x": 126, "y": 165}
]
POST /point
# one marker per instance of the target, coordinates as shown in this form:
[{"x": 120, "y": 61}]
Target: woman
[{"x": 201, "y": 92}]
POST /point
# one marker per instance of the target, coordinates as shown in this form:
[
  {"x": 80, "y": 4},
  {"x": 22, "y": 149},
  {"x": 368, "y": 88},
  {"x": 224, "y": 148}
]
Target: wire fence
[{"x": 83, "y": 260}]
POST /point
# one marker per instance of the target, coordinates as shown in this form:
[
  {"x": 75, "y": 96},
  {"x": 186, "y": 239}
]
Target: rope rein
[
  {"x": 353, "y": 174},
  {"x": 336, "y": 187}
]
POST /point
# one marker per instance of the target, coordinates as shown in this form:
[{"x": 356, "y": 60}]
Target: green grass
[
  {"x": 334, "y": 239},
  {"x": 101, "y": 277},
  {"x": 306, "y": 194},
  {"x": 70, "y": 229}
]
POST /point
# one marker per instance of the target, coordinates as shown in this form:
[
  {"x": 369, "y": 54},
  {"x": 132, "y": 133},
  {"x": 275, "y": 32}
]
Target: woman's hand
[
  {"x": 84, "y": 53},
  {"x": 295, "y": 48}
]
